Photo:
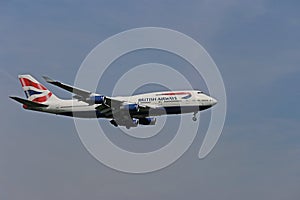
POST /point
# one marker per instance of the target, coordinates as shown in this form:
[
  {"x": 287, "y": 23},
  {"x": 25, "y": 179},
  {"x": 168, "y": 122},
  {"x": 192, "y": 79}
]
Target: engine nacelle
[
  {"x": 99, "y": 99},
  {"x": 135, "y": 122},
  {"x": 132, "y": 123},
  {"x": 130, "y": 107},
  {"x": 147, "y": 121}
]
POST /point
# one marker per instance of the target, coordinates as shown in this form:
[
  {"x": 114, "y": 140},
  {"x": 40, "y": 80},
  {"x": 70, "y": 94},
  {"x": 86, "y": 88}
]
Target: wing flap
[
  {"x": 113, "y": 103},
  {"x": 104, "y": 109}
]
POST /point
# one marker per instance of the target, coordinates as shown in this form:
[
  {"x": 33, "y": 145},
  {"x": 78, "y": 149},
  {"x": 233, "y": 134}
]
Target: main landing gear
[{"x": 194, "y": 117}]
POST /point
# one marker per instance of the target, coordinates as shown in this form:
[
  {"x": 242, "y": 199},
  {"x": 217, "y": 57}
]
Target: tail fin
[{"x": 35, "y": 91}]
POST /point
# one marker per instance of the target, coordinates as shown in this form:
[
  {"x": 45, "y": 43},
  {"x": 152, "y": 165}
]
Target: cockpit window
[{"x": 199, "y": 92}]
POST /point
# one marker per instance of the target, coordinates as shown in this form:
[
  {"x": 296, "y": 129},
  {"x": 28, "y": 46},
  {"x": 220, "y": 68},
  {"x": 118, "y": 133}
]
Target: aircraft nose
[{"x": 213, "y": 101}]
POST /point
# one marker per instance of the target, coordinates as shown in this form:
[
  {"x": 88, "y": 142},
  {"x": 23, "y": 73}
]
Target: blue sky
[{"x": 255, "y": 45}]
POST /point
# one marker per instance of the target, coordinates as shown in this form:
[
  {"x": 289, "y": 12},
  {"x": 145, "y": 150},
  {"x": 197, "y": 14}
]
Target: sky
[{"x": 255, "y": 46}]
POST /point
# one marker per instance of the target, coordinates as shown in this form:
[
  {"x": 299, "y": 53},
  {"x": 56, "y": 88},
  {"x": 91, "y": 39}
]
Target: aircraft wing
[
  {"x": 108, "y": 106},
  {"x": 80, "y": 92},
  {"x": 114, "y": 107}
]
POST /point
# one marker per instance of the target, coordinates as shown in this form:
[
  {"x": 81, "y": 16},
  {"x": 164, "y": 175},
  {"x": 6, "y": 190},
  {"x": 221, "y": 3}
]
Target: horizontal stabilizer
[{"x": 27, "y": 102}]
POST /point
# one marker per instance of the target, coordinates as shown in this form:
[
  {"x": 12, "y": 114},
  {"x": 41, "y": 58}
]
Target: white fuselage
[
  {"x": 173, "y": 102},
  {"x": 129, "y": 111}
]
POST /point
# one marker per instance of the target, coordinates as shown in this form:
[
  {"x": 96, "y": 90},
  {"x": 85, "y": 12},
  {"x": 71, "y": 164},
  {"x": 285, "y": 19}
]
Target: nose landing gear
[{"x": 194, "y": 117}]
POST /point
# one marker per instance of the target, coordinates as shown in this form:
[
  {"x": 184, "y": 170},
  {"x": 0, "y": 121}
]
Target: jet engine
[
  {"x": 147, "y": 121},
  {"x": 130, "y": 107},
  {"x": 99, "y": 99},
  {"x": 128, "y": 123}
]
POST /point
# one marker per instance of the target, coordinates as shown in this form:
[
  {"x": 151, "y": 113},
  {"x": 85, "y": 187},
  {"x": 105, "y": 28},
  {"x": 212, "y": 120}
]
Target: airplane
[{"x": 128, "y": 111}]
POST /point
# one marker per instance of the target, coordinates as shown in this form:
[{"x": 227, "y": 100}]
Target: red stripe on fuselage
[
  {"x": 175, "y": 93},
  {"x": 27, "y": 82}
]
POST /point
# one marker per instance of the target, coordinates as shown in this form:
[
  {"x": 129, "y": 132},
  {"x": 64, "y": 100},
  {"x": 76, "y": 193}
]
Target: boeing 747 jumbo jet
[{"x": 129, "y": 111}]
